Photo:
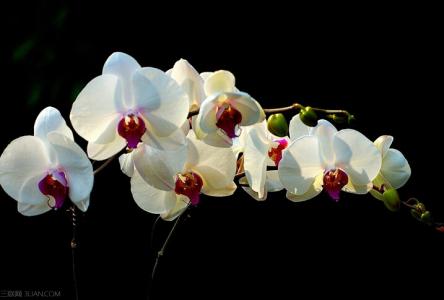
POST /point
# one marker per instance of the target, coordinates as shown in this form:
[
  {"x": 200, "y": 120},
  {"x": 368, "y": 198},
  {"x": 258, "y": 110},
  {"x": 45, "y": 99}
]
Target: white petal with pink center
[
  {"x": 261, "y": 149},
  {"x": 116, "y": 109},
  {"x": 344, "y": 160},
  {"x": 181, "y": 174},
  {"x": 40, "y": 172},
  {"x": 224, "y": 110}
]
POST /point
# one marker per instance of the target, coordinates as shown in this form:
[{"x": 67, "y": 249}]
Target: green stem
[{"x": 106, "y": 163}]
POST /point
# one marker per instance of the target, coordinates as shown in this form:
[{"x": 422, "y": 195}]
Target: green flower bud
[
  {"x": 338, "y": 119},
  {"x": 308, "y": 116},
  {"x": 427, "y": 218},
  {"x": 277, "y": 125},
  {"x": 420, "y": 207},
  {"x": 351, "y": 120},
  {"x": 391, "y": 199}
]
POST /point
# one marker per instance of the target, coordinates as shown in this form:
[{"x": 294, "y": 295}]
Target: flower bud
[
  {"x": 391, "y": 199},
  {"x": 351, "y": 120},
  {"x": 308, "y": 116},
  {"x": 427, "y": 218},
  {"x": 337, "y": 118},
  {"x": 277, "y": 125}
]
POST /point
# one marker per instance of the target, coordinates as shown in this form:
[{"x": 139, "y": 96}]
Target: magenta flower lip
[
  {"x": 228, "y": 120},
  {"x": 190, "y": 185},
  {"x": 55, "y": 186},
  {"x": 334, "y": 181},
  {"x": 275, "y": 154},
  {"x": 131, "y": 128}
]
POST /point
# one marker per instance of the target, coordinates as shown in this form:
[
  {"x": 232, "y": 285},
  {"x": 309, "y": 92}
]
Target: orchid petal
[
  {"x": 159, "y": 167},
  {"x": 273, "y": 182},
  {"x": 206, "y": 119},
  {"x": 76, "y": 166},
  {"x": 23, "y": 159},
  {"x": 48, "y": 120},
  {"x": 205, "y": 75},
  {"x": 149, "y": 198},
  {"x": 176, "y": 140},
  {"x": 105, "y": 151},
  {"x": 314, "y": 190},
  {"x": 31, "y": 210},
  {"x": 216, "y": 166},
  {"x": 219, "y": 82},
  {"x": 96, "y": 107},
  {"x": 350, "y": 187},
  {"x": 297, "y": 128},
  {"x": 255, "y": 159},
  {"x": 243, "y": 181},
  {"x": 249, "y": 108},
  {"x": 83, "y": 204},
  {"x": 325, "y": 132},
  {"x": 357, "y": 156},
  {"x": 30, "y": 192},
  {"x": 160, "y": 100},
  {"x": 383, "y": 143},
  {"x": 190, "y": 81},
  {"x": 123, "y": 66},
  {"x": 395, "y": 168},
  {"x": 182, "y": 203},
  {"x": 300, "y": 164},
  {"x": 126, "y": 162}
]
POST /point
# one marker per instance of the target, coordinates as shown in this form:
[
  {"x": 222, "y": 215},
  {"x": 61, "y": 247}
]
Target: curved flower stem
[
  {"x": 153, "y": 228},
  {"x": 106, "y": 163},
  {"x": 294, "y": 106},
  {"x": 73, "y": 210},
  {"x": 162, "y": 250},
  {"x": 282, "y": 109},
  {"x": 165, "y": 244}
]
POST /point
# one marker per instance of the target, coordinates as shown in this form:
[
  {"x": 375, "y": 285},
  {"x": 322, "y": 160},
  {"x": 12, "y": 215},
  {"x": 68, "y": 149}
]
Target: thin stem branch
[
  {"x": 282, "y": 109},
  {"x": 73, "y": 210},
  {"x": 331, "y": 111},
  {"x": 294, "y": 106},
  {"x": 165, "y": 244},
  {"x": 106, "y": 163},
  {"x": 153, "y": 228},
  {"x": 408, "y": 205}
]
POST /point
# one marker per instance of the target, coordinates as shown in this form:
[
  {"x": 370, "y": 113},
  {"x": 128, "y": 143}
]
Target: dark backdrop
[{"x": 380, "y": 63}]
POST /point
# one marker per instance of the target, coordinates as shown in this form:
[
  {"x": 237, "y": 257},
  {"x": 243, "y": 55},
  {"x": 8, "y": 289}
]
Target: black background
[{"x": 381, "y": 63}]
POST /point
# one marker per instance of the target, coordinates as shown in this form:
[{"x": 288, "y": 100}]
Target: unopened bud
[
  {"x": 391, "y": 199},
  {"x": 277, "y": 125},
  {"x": 308, "y": 116}
]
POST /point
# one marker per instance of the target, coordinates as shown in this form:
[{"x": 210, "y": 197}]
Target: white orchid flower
[
  {"x": 127, "y": 104},
  {"x": 166, "y": 182},
  {"x": 190, "y": 81},
  {"x": 395, "y": 170},
  {"x": 261, "y": 149},
  {"x": 42, "y": 170},
  {"x": 224, "y": 110},
  {"x": 331, "y": 160}
]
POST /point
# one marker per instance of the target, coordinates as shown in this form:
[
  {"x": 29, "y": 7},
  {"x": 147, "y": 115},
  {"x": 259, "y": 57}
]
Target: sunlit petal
[
  {"x": 151, "y": 199},
  {"x": 300, "y": 165},
  {"x": 357, "y": 156},
  {"x": 50, "y": 120},
  {"x": 24, "y": 158}
]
